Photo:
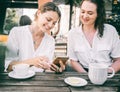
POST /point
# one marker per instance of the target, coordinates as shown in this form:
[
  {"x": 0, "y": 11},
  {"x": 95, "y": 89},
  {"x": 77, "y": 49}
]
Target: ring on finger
[{"x": 57, "y": 69}]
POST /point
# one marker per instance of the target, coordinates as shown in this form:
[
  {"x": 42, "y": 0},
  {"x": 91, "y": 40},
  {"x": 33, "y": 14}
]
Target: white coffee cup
[
  {"x": 98, "y": 73},
  {"x": 21, "y": 69}
]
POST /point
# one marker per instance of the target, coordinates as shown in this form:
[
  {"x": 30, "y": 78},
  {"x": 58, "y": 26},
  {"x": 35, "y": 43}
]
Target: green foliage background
[
  {"x": 77, "y": 2},
  {"x": 11, "y": 19}
]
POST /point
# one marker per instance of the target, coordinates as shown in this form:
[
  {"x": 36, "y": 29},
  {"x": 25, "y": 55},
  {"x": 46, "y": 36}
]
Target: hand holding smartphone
[{"x": 58, "y": 59}]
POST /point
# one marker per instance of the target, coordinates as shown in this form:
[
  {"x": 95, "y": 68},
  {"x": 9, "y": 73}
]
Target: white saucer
[
  {"x": 75, "y": 81},
  {"x": 30, "y": 74}
]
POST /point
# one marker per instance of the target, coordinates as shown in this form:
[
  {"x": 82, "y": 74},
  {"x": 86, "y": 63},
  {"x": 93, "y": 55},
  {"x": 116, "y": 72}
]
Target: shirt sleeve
[
  {"x": 12, "y": 48},
  {"x": 70, "y": 47},
  {"x": 116, "y": 45}
]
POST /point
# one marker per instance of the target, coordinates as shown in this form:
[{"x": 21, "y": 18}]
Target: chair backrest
[{"x": 2, "y": 57}]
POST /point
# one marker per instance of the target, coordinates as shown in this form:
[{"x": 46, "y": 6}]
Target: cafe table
[{"x": 52, "y": 82}]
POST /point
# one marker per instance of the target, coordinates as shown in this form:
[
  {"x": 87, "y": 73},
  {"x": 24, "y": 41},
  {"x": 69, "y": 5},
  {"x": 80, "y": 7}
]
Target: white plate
[
  {"x": 75, "y": 81},
  {"x": 30, "y": 74}
]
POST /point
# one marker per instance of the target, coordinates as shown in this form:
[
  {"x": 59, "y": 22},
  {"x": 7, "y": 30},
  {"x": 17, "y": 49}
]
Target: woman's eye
[
  {"x": 90, "y": 13},
  {"x": 48, "y": 19},
  {"x": 82, "y": 11},
  {"x": 54, "y": 23}
]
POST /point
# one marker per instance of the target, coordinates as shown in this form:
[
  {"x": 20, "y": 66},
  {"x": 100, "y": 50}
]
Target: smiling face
[
  {"x": 47, "y": 20},
  {"x": 88, "y": 13}
]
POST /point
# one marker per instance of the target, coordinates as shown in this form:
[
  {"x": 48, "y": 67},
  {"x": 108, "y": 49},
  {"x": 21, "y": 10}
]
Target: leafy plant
[
  {"x": 11, "y": 19},
  {"x": 77, "y": 2}
]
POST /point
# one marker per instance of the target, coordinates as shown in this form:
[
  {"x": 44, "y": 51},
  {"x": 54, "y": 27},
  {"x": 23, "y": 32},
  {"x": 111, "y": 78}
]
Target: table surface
[{"x": 51, "y": 82}]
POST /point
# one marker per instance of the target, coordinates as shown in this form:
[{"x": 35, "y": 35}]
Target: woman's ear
[{"x": 38, "y": 13}]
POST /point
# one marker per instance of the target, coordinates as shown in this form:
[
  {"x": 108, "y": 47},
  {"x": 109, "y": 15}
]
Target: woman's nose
[
  {"x": 85, "y": 15},
  {"x": 50, "y": 25}
]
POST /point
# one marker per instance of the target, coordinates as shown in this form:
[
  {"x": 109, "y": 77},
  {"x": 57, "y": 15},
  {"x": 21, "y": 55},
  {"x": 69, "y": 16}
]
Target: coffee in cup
[
  {"x": 98, "y": 73},
  {"x": 20, "y": 69}
]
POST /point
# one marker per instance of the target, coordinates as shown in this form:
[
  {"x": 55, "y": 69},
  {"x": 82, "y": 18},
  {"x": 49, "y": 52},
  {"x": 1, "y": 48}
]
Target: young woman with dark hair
[{"x": 94, "y": 41}]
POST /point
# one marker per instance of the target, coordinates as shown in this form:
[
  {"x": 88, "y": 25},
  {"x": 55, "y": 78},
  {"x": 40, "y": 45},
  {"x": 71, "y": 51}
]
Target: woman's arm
[
  {"x": 40, "y": 62},
  {"x": 77, "y": 66},
  {"x": 116, "y": 64},
  {"x": 11, "y": 64}
]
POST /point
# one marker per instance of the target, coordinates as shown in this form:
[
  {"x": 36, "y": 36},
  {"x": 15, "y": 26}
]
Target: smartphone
[{"x": 63, "y": 59}]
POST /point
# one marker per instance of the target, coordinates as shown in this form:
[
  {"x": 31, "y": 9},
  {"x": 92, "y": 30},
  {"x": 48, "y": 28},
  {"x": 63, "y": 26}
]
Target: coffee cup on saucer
[
  {"x": 21, "y": 69},
  {"x": 98, "y": 73}
]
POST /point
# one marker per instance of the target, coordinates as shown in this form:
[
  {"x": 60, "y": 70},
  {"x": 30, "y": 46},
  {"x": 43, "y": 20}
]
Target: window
[{"x": 13, "y": 15}]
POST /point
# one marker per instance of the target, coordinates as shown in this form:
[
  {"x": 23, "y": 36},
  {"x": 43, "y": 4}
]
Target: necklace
[
  {"x": 37, "y": 40},
  {"x": 37, "y": 37},
  {"x": 34, "y": 42}
]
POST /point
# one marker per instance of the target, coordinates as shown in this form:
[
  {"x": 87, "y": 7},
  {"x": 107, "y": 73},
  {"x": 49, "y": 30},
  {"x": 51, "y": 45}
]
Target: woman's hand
[
  {"x": 40, "y": 62},
  {"x": 58, "y": 69},
  {"x": 44, "y": 62}
]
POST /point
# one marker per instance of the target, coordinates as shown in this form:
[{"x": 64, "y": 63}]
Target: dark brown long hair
[{"x": 101, "y": 15}]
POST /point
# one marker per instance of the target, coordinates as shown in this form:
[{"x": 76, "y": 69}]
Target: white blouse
[
  {"x": 102, "y": 50},
  {"x": 20, "y": 46}
]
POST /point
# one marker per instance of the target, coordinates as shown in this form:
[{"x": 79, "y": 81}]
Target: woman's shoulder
[
  {"x": 74, "y": 30},
  {"x": 19, "y": 28},
  {"x": 49, "y": 37},
  {"x": 110, "y": 29},
  {"x": 109, "y": 26},
  {"x": 19, "y": 31}
]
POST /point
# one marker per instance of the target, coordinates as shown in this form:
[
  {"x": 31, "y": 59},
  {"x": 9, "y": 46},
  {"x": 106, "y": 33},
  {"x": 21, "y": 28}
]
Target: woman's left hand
[{"x": 44, "y": 62}]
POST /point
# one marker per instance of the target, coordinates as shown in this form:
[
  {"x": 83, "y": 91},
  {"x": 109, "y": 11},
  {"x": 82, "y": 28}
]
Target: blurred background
[{"x": 12, "y": 10}]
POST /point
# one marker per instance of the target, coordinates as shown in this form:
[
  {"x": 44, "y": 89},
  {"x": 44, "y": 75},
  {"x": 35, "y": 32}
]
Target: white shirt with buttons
[
  {"x": 102, "y": 50},
  {"x": 20, "y": 46}
]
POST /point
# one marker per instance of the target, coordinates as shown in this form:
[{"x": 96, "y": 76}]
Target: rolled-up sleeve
[
  {"x": 70, "y": 47},
  {"x": 12, "y": 48},
  {"x": 115, "y": 53}
]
